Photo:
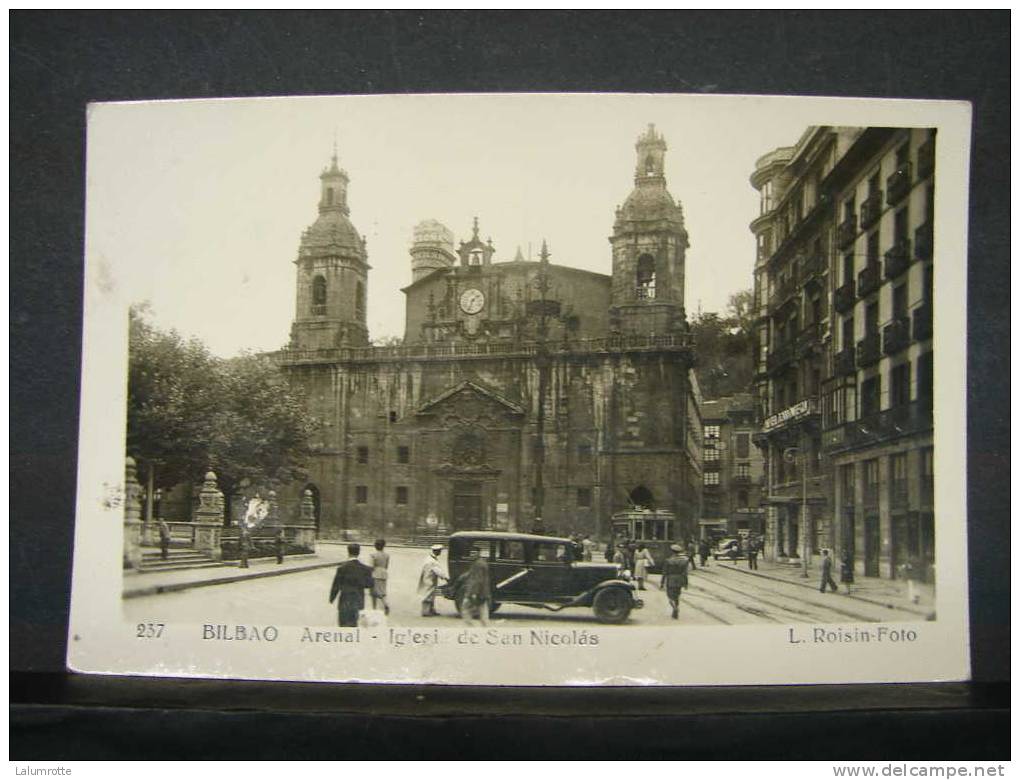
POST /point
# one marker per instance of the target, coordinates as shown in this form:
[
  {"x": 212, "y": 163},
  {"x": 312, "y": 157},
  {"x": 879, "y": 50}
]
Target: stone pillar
[
  {"x": 273, "y": 518},
  {"x": 305, "y": 536},
  {"x": 209, "y": 518},
  {"x": 132, "y": 516}
]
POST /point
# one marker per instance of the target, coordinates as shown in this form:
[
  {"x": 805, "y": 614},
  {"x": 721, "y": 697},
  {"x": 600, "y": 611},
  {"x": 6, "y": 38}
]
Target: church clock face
[{"x": 472, "y": 301}]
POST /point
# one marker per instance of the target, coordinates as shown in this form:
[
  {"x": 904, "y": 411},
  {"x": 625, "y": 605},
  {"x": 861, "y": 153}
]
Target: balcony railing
[
  {"x": 923, "y": 242},
  {"x": 926, "y": 159},
  {"x": 846, "y": 232},
  {"x": 811, "y": 267},
  {"x": 508, "y": 348},
  {"x": 845, "y": 296},
  {"x": 869, "y": 279},
  {"x": 893, "y": 423},
  {"x": 922, "y": 317},
  {"x": 896, "y": 335},
  {"x": 318, "y": 309},
  {"x": 898, "y": 184},
  {"x": 711, "y": 465},
  {"x": 808, "y": 337},
  {"x": 871, "y": 209},
  {"x": 780, "y": 355},
  {"x": 897, "y": 259},
  {"x": 845, "y": 362},
  {"x": 869, "y": 349}
]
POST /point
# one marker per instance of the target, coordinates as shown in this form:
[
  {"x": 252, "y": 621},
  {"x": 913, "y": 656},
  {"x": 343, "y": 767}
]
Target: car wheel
[{"x": 613, "y": 605}]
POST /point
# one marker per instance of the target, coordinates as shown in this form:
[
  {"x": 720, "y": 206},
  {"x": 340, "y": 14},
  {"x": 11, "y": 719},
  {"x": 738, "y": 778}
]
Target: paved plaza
[{"x": 721, "y": 594}]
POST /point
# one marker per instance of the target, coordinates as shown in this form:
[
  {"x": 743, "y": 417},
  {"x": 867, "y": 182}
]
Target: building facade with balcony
[
  {"x": 795, "y": 232},
  {"x": 877, "y": 402},
  {"x": 732, "y": 469},
  {"x": 526, "y": 395},
  {"x": 845, "y": 365}
]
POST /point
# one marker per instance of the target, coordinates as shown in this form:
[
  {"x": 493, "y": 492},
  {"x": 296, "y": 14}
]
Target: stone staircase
[{"x": 176, "y": 560}]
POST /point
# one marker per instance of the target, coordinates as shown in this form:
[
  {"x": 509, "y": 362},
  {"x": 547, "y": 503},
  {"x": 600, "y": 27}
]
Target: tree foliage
[
  {"x": 725, "y": 347},
  {"x": 189, "y": 411}
]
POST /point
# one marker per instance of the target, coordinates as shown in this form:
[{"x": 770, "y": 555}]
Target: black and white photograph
[{"x": 524, "y": 389}]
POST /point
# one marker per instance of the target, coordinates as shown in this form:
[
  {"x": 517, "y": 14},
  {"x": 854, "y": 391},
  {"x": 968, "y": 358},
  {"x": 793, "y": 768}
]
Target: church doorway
[{"x": 467, "y": 506}]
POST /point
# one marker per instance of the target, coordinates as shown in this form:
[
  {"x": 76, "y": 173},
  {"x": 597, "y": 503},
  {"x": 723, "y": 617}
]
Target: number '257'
[{"x": 149, "y": 630}]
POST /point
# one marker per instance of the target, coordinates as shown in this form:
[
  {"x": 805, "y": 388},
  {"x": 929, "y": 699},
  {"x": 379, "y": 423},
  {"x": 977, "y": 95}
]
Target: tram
[{"x": 655, "y": 528}]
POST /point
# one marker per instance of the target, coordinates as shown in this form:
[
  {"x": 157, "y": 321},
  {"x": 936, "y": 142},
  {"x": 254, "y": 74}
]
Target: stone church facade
[{"x": 525, "y": 396}]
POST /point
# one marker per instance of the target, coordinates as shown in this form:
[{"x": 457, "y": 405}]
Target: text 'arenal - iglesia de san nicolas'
[{"x": 526, "y": 395}]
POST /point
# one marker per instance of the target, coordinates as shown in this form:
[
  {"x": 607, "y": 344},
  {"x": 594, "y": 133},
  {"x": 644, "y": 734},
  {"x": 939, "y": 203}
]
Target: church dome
[
  {"x": 331, "y": 229},
  {"x": 649, "y": 203}
]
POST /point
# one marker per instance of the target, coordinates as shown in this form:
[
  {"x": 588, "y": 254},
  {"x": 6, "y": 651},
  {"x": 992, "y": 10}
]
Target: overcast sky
[{"x": 198, "y": 206}]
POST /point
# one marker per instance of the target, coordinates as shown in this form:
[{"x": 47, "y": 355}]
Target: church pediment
[{"x": 470, "y": 403}]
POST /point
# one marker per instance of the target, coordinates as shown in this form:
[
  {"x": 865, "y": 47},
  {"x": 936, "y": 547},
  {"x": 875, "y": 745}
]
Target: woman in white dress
[{"x": 642, "y": 560}]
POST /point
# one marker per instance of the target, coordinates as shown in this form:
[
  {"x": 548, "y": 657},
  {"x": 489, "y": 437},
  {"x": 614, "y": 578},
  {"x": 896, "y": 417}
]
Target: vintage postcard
[{"x": 524, "y": 390}]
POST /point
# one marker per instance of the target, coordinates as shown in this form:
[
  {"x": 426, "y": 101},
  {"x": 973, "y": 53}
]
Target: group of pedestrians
[{"x": 353, "y": 578}]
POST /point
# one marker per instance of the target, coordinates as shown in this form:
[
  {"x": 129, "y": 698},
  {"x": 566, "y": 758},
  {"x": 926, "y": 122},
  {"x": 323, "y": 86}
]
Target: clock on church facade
[{"x": 525, "y": 395}]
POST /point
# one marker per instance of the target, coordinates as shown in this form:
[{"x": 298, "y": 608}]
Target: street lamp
[{"x": 792, "y": 455}]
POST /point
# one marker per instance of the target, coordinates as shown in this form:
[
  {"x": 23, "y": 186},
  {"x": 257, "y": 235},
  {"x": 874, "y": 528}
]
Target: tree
[
  {"x": 189, "y": 411},
  {"x": 724, "y": 347}
]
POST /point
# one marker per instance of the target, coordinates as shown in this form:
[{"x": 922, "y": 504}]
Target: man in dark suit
[{"x": 351, "y": 580}]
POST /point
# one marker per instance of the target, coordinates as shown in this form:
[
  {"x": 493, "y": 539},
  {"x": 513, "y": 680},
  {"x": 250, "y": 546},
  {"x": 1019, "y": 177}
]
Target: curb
[
  {"x": 874, "y": 602},
  {"x": 153, "y": 590}
]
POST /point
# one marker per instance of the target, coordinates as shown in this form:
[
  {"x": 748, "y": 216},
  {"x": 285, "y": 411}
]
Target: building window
[
  {"x": 926, "y": 378},
  {"x": 900, "y": 226},
  {"x": 319, "y": 295},
  {"x": 871, "y": 482},
  {"x": 711, "y": 454},
  {"x": 898, "y": 479},
  {"x": 403, "y": 454},
  {"x": 362, "y": 454},
  {"x": 393, "y": 416},
  {"x": 401, "y": 497},
  {"x": 847, "y": 482},
  {"x": 744, "y": 470},
  {"x": 646, "y": 278},
  {"x": 849, "y": 208},
  {"x": 927, "y": 476},
  {"x": 361, "y": 494},
  {"x": 873, "y": 241},
  {"x": 584, "y": 453},
  {"x": 711, "y": 477},
  {"x": 848, "y": 269},
  {"x": 871, "y": 390},
  {"x": 899, "y": 385},
  {"x": 711, "y": 431},
  {"x": 743, "y": 445},
  {"x": 742, "y": 498},
  {"x": 359, "y": 301},
  {"x": 583, "y": 498}
]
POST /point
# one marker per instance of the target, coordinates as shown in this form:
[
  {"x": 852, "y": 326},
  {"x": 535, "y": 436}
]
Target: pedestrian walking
[
  {"x": 431, "y": 576},
  {"x": 164, "y": 540},
  {"x": 846, "y": 570},
  {"x": 909, "y": 572},
  {"x": 350, "y": 582},
  {"x": 379, "y": 560},
  {"x": 476, "y": 596},
  {"x": 674, "y": 577},
  {"x": 611, "y": 550},
  {"x": 642, "y": 560},
  {"x": 752, "y": 553},
  {"x": 827, "y": 573},
  {"x": 691, "y": 553},
  {"x": 703, "y": 552},
  {"x": 588, "y": 547},
  {"x": 281, "y": 545}
]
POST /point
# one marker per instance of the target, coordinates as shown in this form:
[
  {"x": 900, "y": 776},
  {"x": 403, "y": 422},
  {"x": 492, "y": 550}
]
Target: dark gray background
[{"x": 60, "y": 61}]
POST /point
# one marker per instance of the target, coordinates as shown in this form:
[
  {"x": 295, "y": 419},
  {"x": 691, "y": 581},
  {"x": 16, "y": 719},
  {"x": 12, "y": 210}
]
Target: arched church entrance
[{"x": 642, "y": 498}]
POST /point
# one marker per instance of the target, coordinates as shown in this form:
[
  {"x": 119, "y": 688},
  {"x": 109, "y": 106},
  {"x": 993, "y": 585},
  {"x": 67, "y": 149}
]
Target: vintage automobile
[{"x": 541, "y": 571}]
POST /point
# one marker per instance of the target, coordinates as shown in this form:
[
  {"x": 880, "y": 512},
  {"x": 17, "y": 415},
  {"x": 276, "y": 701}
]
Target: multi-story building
[
  {"x": 732, "y": 469},
  {"x": 843, "y": 289},
  {"x": 524, "y": 394}
]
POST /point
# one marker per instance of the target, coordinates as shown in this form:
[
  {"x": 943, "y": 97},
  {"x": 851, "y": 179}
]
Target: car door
[
  {"x": 509, "y": 571},
  {"x": 551, "y": 578}
]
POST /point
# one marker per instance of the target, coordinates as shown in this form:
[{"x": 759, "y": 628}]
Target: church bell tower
[
  {"x": 649, "y": 246},
  {"x": 332, "y": 273}
]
